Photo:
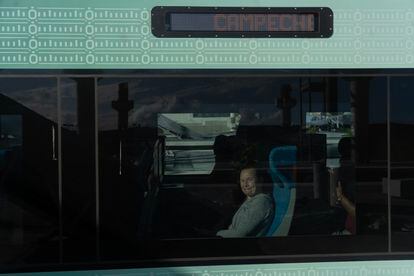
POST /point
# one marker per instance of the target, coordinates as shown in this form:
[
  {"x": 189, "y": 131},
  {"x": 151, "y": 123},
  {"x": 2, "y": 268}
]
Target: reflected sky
[
  {"x": 402, "y": 100},
  {"x": 256, "y": 99},
  {"x": 210, "y": 95},
  {"x": 38, "y": 95}
]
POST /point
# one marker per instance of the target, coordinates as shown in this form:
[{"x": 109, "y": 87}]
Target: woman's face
[{"x": 248, "y": 182}]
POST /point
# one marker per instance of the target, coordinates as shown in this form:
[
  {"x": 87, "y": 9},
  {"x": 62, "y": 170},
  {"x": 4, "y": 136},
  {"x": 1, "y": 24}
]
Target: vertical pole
[
  {"x": 301, "y": 103},
  {"x": 97, "y": 188},
  {"x": 60, "y": 183},
  {"x": 389, "y": 161}
]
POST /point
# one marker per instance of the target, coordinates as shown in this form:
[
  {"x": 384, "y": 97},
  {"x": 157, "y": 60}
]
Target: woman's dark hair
[
  {"x": 246, "y": 157},
  {"x": 250, "y": 165}
]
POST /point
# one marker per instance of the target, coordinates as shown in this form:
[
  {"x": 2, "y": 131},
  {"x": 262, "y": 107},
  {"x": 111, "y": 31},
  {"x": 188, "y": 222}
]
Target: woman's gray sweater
[{"x": 253, "y": 218}]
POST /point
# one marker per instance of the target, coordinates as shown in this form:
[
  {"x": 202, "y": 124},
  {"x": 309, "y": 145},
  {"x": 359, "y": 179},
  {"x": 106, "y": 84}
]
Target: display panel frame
[{"x": 160, "y": 26}]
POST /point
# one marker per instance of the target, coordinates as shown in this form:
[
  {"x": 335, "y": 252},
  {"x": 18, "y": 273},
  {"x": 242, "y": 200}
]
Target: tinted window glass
[
  {"x": 28, "y": 170},
  {"x": 402, "y": 163},
  {"x": 199, "y": 166},
  {"x": 175, "y": 152}
]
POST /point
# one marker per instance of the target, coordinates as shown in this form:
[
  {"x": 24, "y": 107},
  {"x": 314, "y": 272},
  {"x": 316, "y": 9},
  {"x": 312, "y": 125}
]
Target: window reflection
[
  {"x": 209, "y": 127},
  {"x": 37, "y": 95},
  {"x": 171, "y": 154},
  {"x": 190, "y": 139},
  {"x": 402, "y": 166},
  {"x": 28, "y": 170}
]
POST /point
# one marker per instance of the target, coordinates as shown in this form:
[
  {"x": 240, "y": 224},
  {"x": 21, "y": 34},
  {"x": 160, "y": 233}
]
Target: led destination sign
[
  {"x": 241, "y": 22},
  {"x": 222, "y": 22}
]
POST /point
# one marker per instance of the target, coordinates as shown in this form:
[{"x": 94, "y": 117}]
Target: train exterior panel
[
  {"x": 127, "y": 128},
  {"x": 104, "y": 35}
]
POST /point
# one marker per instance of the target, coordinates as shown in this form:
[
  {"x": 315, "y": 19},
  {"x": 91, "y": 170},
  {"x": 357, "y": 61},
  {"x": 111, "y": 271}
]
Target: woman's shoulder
[
  {"x": 262, "y": 195},
  {"x": 263, "y": 198}
]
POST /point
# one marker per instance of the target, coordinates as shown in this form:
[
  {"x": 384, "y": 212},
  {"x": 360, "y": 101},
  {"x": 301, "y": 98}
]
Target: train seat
[{"x": 281, "y": 162}]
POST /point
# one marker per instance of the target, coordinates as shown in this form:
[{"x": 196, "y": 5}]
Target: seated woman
[{"x": 255, "y": 215}]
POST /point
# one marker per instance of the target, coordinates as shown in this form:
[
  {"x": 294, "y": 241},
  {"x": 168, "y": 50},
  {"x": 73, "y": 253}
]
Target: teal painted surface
[
  {"x": 98, "y": 34},
  {"x": 377, "y": 268}
]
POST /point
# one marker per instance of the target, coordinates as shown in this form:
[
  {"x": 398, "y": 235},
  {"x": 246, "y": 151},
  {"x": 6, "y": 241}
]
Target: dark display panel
[
  {"x": 242, "y": 22},
  {"x": 250, "y": 22}
]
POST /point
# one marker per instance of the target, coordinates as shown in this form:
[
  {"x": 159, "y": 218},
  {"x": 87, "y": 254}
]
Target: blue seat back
[{"x": 281, "y": 161}]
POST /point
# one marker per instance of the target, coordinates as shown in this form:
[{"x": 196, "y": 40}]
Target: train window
[
  {"x": 402, "y": 165},
  {"x": 28, "y": 169},
  {"x": 158, "y": 166},
  {"x": 173, "y": 153}
]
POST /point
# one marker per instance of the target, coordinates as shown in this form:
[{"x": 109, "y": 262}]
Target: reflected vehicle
[
  {"x": 335, "y": 126},
  {"x": 189, "y": 140}
]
